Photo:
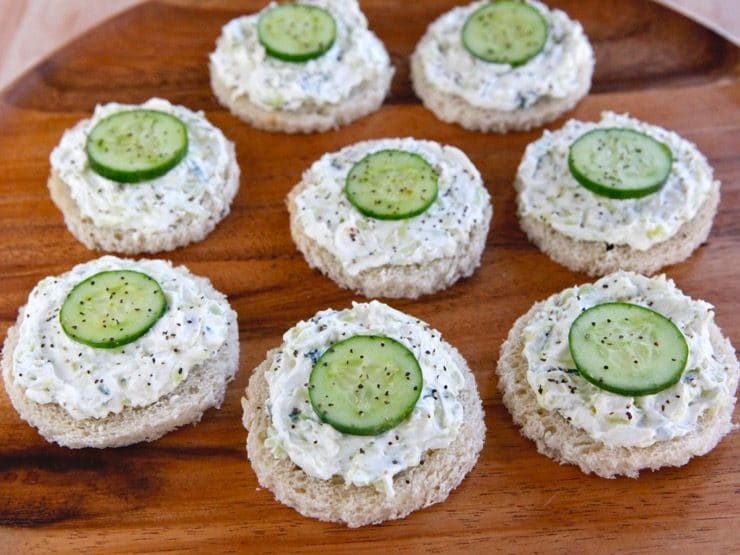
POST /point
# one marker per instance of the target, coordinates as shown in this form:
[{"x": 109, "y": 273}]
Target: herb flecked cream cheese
[{"x": 296, "y": 431}]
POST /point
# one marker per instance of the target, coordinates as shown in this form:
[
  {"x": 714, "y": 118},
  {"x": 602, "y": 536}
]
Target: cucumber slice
[
  {"x": 112, "y": 308},
  {"x": 392, "y": 185},
  {"x": 136, "y": 145},
  {"x": 365, "y": 385},
  {"x": 296, "y": 32},
  {"x": 620, "y": 163},
  {"x": 627, "y": 349},
  {"x": 505, "y": 32}
]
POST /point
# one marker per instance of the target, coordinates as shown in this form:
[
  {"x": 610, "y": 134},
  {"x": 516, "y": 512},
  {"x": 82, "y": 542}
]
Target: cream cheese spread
[
  {"x": 89, "y": 382},
  {"x": 549, "y": 192},
  {"x": 619, "y": 420},
  {"x": 190, "y": 193},
  {"x": 356, "y": 59},
  {"x": 360, "y": 243},
  {"x": 323, "y": 452},
  {"x": 551, "y": 74}
]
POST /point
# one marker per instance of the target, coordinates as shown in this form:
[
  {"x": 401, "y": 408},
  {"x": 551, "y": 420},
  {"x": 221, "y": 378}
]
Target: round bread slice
[
  {"x": 392, "y": 281},
  {"x": 363, "y": 100},
  {"x": 204, "y": 388},
  {"x": 131, "y": 241},
  {"x": 597, "y": 258},
  {"x": 560, "y": 441},
  {"x": 451, "y": 108},
  {"x": 431, "y": 482}
]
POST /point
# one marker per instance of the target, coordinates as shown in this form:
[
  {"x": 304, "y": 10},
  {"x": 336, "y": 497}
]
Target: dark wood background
[{"x": 194, "y": 489}]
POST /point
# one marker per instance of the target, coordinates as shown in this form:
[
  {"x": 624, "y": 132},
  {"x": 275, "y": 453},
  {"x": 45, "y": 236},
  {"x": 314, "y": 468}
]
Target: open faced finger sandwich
[
  {"x": 143, "y": 178},
  {"x": 615, "y": 194},
  {"x": 621, "y": 375},
  {"x": 502, "y": 65},
  {"x": 392, "y": 217},
  {"x": 301, "y": 67},
  {"x": 119, "y": 351},
  {"x": 362, "y": 415}
]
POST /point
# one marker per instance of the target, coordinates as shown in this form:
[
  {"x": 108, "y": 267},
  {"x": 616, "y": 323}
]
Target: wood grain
[
  {"x": 194, "y": 489},
  {"x": 30, "y": 30}
]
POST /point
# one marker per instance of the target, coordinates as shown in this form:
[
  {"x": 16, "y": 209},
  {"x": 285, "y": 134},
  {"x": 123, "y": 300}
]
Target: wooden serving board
[{"x": 194, "y": 489}]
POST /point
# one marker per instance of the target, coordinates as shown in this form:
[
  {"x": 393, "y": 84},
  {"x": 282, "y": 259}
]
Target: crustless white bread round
[
  {"x": 453, "y": 109},
  {"x": 203, "y": 388},
  {"x": 331, "y": 500},
  {"x": 130, "y": 241},
  {"x": 597, "y": 258},
  {"x": 559, "y": 440},
  {"x": 364, "y": 100},
  {"x": 410, "y": 281}
]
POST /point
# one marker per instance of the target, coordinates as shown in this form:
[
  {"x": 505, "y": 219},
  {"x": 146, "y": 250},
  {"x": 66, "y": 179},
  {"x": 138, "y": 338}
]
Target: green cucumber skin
[
  {"x": 358, "y": 429},
  {"x": 140, "y": 175},
  {"x": 628, "y": 392},
  {"x": 296, "y": 58},
  {"x": 619, "y": 194},
  {"x": 382, "y": 216},
  {"x": 67, "y": 326},
  {"x": 512, "y": 63}
]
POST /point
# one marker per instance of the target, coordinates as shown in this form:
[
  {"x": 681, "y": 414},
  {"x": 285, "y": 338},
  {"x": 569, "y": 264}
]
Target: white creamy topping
[
  {"x": 619, "y": 420},
  {"x": 549, "y": 192},
  {"x": 356, "y": 58},
  {"x": 189, "y": 192},
  {"x": 92, "y": 383},
  {"x": 361, "y": 243},
  {"x": 323, "y": 452},
  {"x": 552, "y": 73}
]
